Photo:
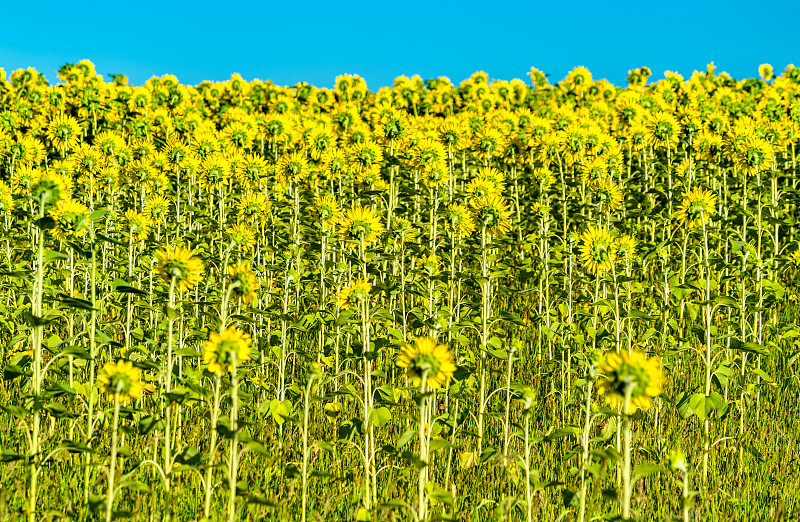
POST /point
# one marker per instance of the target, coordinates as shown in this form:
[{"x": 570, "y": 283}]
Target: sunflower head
[
  {"x": 121, "y": 379},
  {"x": 48, "y": 188},
  {"x": 765, "y": 71},
  {"x": 71, "y": 219},
  {"x": 361, "y": 223},
  {"x": 633, "y": 375},
  {"x": 242, "y": 236},
  {"x": 224, "y": 349},
  {"x": 244, "y": 285},
  {"x": 493, "y": 213},
  {"x": 180, "y": 265},
  {"x": 138, "y": 224},
  {"x": 403, "y": 230},
  {"x": 6, "y": 199},
  {"x": 459, "y": 219},
  {"x": 697, "y": 208},
  {"x": 353, "y": 294},
  {"x": 426, "y": 360},
  {"x": 598, "y": 250}
]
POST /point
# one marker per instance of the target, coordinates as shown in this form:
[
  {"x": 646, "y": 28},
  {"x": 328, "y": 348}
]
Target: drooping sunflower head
[
  {"x": 630, "y": 374},
  {"x": 598, "y": 250},
  {"x": 353, "y": 294},
  {"x": 459, "y": 219},
  {"x": 426, "y": 360},
  {"x": 137, "y": 224},
  {"x": 753, "y": 155},
  {"x": 63, "y": 132},
  {"x": 254, "y": 208},
  {"x": 436, "y": 175},
  {"x": 361, "y": 223},
  {"x": 765, "y": 71},
  {"x": 242, "y": 236},
  {"x": 403, "y": 230},
  {"x": 663, "y": 130},
  {"x": 180, "y": 265},
  {"x": 121, "y": 379},
  {"x": 71, "y": 219},
  {"x": 224, "y": 349},
  {"x": 244, "y": 285},
  {"x": 698, "y": 207},
  {"x": 607, "y": 195},
  {"x": 328, "y": 210},
  {"x": 6, "y": 199},
  {"x": 626, "y": 248},
  {"x": 48, "y": 188},
  {"x": 492, "y": 212},
  {"x": 430, "y": 264}
]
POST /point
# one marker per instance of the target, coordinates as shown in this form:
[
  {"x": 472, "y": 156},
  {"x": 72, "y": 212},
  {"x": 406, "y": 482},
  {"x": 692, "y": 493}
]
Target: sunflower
[
  {"x": 242, "y": 236},
  {"x": 121, "y": 379},
  {"x": 626, "y": 248},
  {"x": 48, "y": 188},
  {"x": 607, "y": 194},
  {"x": 697, "y": 208},
  {"x": 459, "y": 219},
  {"x": 594, "y": 171},
  {"x": 63, "y": 132},
  {"x": 243, "y": 285},
  {"x": 224, "y": 349},
  {"x": 365, "y": 156},
  {"x": 578, "y": 79},
  {"x": 6, "y": 199},
  {"x": 360, "y": 223},
  {"x": 436, "y": 174},
  {"x": 251, "y": 169},
  {"x": 254, "y": 207},
  {"x": 156, "y": 207},
  {"x": 430, "y": 264},
  {"x": 319, "y": 141},
  {"x": 753, "y": 155},
  {"x": 489, "y": 141},
  {"x": 215, "y": 169},
  {"x": 492, "y": 212},
  {"x": 328, "y": 210},
  {"x": 663, "y": 130},
  {"x": 425, "y": 359},
  {"x": 353, "y": 293},
  {"x": 137, "y": 224},
  {"x": 630, "y": 373},
  {"x": 293, "y": 167},
  {"x": 480, "y": 187},
  {"x": 765, "y": 71},
  {"x": 598, "y": 250},
  {"x": 71, "y": 219},
  {"x": 179, "y": 264},
  {"x": 403, "y": 230}
]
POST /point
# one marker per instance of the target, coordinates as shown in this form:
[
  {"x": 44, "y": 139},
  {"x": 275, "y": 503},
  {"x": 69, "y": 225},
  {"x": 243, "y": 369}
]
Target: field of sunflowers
[{"x": 492, "y": 301}]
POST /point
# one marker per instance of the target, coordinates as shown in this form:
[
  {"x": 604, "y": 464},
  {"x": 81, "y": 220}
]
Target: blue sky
[{"x": 381, "y": 40}]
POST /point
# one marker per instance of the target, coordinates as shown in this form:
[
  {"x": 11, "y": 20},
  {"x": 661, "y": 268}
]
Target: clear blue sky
[{"x": 281, "y": 42}]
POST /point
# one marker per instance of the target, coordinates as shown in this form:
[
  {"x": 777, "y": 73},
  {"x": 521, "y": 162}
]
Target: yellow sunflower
[
  {"x": 459, "y": 219},
  {"x": 425, "y": 359},
  {"x": 403, "y": 230},
  {"x": 224, "y": 349},
  {"x": 663, "y": 130},
  {"x": 753, "y": 155},
  {"x": 328, "y": 210},
  {"x": 630, "y": 373},
  {"x": 63, "y": 132},
  {"x": 493, "y": 213},
  {"x": 607, "y": 194},
  {"x": 121, "y": 378},
  {"x": 6, "y": 199},
  {"x": 598, "y": 250},
  {"x": 180, "y": 265},
  {"x": 243, "y": 283},
  {"x": 697, "y": 207},
  {"x": 137, "y": 224},
  {"x": 71, "y": 219},
  {"x": 353, "y": 293},
  {"x": 254, "y": 207},
  {"x": 361, "y": 223},
  {"x": 242, "y": 236}
]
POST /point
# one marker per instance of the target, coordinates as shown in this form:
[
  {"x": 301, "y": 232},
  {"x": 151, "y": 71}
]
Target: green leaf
[
  {"x": 380, "y": 416},
  {"x": 123, "y": 287}
]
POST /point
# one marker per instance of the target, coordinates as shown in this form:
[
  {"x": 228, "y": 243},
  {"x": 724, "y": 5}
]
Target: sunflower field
[{"x": 492, "y": 301}]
